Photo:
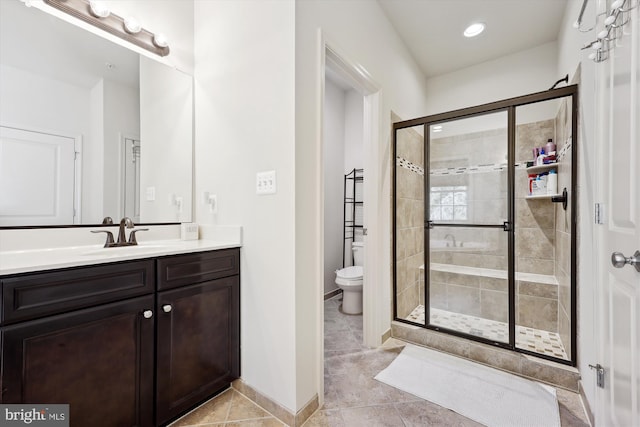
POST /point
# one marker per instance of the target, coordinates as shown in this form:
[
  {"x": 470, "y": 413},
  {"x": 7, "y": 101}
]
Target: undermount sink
[{"x": 120, "y": 250}]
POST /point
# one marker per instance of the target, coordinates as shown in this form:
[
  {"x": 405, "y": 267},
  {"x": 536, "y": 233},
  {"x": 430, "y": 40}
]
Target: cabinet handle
[
  {"x": 148, "y": 314},
  {"x": 166, "y": 308}
]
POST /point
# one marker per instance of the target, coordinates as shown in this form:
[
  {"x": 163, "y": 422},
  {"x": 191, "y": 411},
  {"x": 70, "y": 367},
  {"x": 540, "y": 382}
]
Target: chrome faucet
[
  {"x": 125, "y": 222},
  {"x": 453, "y": 239}
]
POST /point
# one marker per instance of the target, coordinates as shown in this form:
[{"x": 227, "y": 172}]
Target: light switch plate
[
  {"x": 151, "y": 194},
  {"x": 266, "y": 182}
]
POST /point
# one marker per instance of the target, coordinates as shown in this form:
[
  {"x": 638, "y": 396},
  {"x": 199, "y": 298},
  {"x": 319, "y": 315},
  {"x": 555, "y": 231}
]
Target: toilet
[{"x": 350, "y": 280}]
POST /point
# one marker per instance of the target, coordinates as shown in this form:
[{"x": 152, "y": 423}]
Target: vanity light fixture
[
  {"x": 160, "y": 40},
  {"x": 474, "y": 29},
  {"x": 96, "y": 13},
  {"x": 131, "y": 25},
  {"x": 99, "y": 9}
]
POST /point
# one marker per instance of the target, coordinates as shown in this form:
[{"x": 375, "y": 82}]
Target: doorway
[{"x": 358, "y": 79}]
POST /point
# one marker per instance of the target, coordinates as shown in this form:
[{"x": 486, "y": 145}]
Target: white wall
[
  {"x": 245, "y": 110},
  {"x": 522, "y": 73},
  {"x": 361, "y": 32},
  {"x": 570, "y": 42},
  {"x": 333, "y": 135},
  {"x": 353, "y": 131}
]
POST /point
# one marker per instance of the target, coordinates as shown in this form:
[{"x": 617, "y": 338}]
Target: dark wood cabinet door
[
  {"x": 98, "y": 360},
  {"x": 198, "y": 334}
]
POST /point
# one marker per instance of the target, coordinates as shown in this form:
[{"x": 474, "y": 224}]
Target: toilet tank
[{"x": 358, "y": 253}]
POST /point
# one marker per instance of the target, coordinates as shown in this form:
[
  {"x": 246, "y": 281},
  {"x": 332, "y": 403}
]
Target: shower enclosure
[{"x": 484, "y": 225}]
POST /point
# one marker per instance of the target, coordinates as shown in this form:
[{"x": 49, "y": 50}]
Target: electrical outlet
[{"x": 266, "y": 182}]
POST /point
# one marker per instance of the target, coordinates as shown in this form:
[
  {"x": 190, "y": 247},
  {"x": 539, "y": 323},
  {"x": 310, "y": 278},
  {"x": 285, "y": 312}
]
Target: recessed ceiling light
[{"x": 474, "y": 29}]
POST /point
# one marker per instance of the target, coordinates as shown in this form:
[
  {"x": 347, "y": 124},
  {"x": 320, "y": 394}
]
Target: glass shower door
[
  {"x": 468, "y": 254},
  {"x": 408, "y": 212}
]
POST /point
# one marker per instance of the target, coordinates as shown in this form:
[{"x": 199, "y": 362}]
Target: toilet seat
[{"x": 354, "y": 272}]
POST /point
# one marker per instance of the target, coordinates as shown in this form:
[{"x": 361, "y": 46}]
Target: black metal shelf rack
[{"x": 353, "y": 212}]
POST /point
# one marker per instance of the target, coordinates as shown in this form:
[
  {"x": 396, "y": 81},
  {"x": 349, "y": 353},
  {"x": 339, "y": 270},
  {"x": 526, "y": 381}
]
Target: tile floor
[
  {"x": 543, "y": 342},
  {"x": 352, "y": 397}
]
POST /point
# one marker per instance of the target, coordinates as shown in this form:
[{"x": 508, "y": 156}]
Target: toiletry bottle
[
  {"x": 552, "y": 182},
  {"x": 532, "y": 180},
  {"x": 550, "y": 147},
  {"x": 540, "y": 159},
  {"x": 541, "y": 187}
]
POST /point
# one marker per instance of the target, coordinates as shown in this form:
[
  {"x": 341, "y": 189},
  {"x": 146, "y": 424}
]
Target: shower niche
[{"x": 484, "y": 225}]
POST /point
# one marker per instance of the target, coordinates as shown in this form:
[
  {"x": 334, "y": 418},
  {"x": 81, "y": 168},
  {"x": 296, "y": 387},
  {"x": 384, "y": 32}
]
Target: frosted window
[{"x": 448, "y": 203}]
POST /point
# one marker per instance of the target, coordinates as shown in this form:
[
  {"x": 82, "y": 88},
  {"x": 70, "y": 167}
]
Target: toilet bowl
[{"x": 350, "y": 280}]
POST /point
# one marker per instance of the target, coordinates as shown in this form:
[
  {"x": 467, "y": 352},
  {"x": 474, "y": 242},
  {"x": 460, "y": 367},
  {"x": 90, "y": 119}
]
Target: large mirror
[{"x": 88, "y": 128}]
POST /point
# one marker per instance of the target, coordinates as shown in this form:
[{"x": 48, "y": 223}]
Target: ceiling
[{"x": 432, "y": 29}]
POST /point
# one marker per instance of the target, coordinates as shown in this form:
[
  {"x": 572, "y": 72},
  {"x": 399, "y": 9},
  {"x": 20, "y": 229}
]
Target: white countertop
[{"x": 23, "y": 260}]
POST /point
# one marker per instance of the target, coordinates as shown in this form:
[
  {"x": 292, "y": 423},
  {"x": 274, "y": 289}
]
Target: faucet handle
[
  {"x": 110, "y": 242},
  {"x": 132, "y": 235}
]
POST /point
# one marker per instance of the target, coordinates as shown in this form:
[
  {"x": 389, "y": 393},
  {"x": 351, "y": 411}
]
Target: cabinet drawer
[
  {"x": 181, "y": 270},
  {"x": 36, "y": 295}
]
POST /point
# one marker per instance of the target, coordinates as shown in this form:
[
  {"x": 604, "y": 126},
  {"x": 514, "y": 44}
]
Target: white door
[
  {"x": 37, "y": 177},
  {"x": 618, "y": 112}
]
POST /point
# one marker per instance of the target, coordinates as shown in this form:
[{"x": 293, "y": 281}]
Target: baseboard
[
  {"x": 274, "y": 408},
  {"x": 332, "y": 294},
  {"x": 386, "y": 335}
]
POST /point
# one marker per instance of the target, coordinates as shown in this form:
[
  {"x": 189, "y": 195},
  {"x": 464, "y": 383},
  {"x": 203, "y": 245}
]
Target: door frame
[{"x": 373, "y": 298}]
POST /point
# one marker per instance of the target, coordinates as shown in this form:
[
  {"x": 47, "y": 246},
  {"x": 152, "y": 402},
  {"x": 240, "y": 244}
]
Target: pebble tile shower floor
[
  {"x": 352, "y": 397},
  {"x": 543, "y": 342}
]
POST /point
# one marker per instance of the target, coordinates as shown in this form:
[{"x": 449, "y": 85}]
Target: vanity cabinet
[
  {"x": 68, "y": 339},
  {"x": 198, "y": 326},
  {"x": 134, "y": 343}
]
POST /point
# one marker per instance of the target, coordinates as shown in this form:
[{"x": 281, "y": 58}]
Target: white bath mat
[{"x": 486, "y": 395}]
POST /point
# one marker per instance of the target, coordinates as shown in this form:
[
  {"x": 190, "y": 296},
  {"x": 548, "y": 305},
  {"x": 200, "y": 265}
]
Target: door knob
[
  {"x": 166, "y": 308},
  {"x": 619, "y": 260},
  {"x": 148, "y": 314}
]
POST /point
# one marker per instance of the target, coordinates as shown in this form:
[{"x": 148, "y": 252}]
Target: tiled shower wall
[
  {"x": 536, "y": 303},
  {"x": 409, "y": 220}
]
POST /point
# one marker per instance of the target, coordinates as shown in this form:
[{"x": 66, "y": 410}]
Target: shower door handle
[{"x": 619, "y": 260}]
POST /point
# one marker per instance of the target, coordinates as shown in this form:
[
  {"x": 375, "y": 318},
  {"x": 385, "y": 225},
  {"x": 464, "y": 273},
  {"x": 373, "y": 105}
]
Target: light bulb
[
  {"x": 610, "y": 20},
  {"x": 474, "y": 29},
  {"x": 617, "y": 4},
  {"x": 603, "y": 34},
  {"x": 99, "y": 9},
  {"x": 160, "y": 40},
  {"x": 131, "y": 25}
]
